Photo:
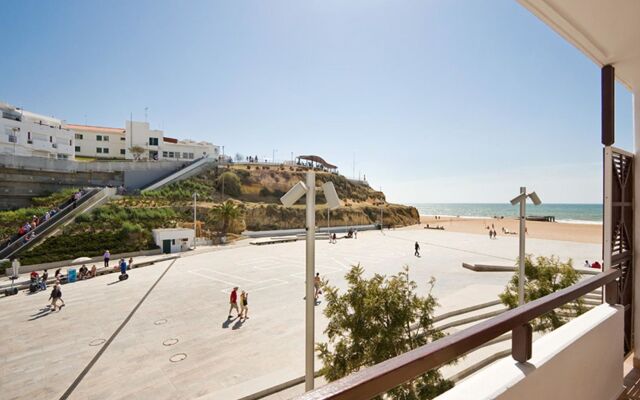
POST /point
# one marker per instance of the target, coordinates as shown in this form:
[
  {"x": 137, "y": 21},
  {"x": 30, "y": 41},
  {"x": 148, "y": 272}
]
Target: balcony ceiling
[{"x": 608, "y": 31}]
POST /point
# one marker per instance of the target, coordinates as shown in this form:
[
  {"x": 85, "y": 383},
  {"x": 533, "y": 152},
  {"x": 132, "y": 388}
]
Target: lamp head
[
  {"x": 534, "y": 197},
  {"x": 294, "y": 194},
  {"x": 333, "y": 201},
  {"x": 518, "y": 199}
]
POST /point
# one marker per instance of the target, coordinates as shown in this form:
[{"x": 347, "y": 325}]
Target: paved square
[{"x": 178, "y": 343}]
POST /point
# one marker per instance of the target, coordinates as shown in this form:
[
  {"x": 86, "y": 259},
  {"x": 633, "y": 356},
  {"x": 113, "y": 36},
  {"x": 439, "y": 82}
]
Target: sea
[{"x": 571, "y": 213}]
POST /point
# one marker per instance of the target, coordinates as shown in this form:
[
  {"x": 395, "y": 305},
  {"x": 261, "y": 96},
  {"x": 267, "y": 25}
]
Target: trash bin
[{"x": 71, "y": 275}]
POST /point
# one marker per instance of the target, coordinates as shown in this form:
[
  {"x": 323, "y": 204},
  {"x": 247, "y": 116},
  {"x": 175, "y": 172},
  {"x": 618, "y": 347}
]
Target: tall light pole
[
  {"x": 295, "y": 193},
  {"x": 195, "y": 227},
  {"x": 522, "y": 199}
]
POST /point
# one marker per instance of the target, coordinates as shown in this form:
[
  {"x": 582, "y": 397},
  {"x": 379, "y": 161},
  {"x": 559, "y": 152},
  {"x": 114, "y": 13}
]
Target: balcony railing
[{"x": 382, "y": 377}]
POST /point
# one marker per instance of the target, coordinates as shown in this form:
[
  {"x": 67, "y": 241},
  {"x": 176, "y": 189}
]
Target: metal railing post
[{"x": 521, "y": 343}]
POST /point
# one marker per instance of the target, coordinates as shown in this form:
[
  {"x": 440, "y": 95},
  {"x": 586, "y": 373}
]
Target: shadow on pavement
[
  {"x": 42, "y": 313},
  {"x": 228, "y": 322}
]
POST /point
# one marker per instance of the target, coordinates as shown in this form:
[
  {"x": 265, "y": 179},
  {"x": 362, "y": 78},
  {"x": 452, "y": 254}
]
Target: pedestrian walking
[
  {"x": 316, "y": 286},
  {"x": 56, "y": 295},
  {"x": 417, "y": 252},
  {"x": 233, "y": 302},
  {"x": 106, "y": 258},
  {"x": 43, "y": 283},
  {"x": 355, "y": 233},
  {"x": 244, "y": 305}
]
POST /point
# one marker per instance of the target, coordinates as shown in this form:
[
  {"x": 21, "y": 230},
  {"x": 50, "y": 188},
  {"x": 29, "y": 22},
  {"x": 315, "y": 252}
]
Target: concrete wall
[
  {"x": 19, "y": 186},
  {"x": 580, "y": 360},
  {"x": 22, "y": 178}
]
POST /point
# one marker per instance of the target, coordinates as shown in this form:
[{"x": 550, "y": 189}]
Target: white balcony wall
[{"x": 580, "y": 360}]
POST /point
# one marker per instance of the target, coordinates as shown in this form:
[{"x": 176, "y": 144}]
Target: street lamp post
[
  {"x": 522, "y": 199},
  {"x": 195, "y": 227},
  {"x": 295, "y": 193}
]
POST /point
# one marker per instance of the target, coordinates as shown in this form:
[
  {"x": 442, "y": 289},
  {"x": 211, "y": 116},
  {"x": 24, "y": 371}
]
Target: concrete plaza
[{"x": 163, "y": 333}]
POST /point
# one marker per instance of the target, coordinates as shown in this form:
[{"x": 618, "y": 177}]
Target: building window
[
  {"x": 77, "y": 149},
  {"x": 177, "y": 154},
  {"x": 171, "y": 154},
  {"x": 105, "y": 150},
  {"x": 153, "y": 141},
  {"x": 191, "y": 156},
  {"x": 99, "y": 150},
  {"x": 122, "y": 151},
  {"x": 165, "y": 154},
  {"x": 122, "y": 139},
  {"x": 105, "y": 138},
  {"x": 185, "y": 155},
  {"x": 99, "y": 138},
  {"x": 50, "y": 139},
  {"x": 79, "y": 136}
]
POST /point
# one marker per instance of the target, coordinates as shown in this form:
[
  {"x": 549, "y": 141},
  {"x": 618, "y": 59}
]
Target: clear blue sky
[{"x": 440, "y": 101}]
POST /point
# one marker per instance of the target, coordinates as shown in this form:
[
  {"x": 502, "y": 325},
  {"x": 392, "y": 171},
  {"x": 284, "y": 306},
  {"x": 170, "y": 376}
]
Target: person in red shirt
[
  {"x": 596, "y": 265},
  {"x": 233, "y": 301}
]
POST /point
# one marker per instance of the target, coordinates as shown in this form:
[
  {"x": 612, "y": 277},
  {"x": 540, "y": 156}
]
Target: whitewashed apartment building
[
  {"x": 116, "y": 143},
  {"x": 24, "y": 133}
]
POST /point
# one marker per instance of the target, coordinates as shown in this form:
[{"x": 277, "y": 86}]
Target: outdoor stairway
[
  {"x": 95, "y": 197},
  {"x": 184, "y": 173}
]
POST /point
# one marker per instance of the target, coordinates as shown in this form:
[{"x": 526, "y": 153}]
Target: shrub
[
  {"x": 544, "y": 276},
  {"x": 231, "y": 184}
]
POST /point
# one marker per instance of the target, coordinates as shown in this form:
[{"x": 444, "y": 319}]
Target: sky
[{"x": 434, "y": 101}]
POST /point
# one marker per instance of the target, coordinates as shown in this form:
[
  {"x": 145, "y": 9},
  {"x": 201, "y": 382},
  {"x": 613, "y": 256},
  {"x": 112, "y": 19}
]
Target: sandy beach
[{"x": 583, "y": 233}]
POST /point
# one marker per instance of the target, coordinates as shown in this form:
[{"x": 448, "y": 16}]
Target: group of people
[
  {"x": 243, "y": 311},
  {"x": 86, "y": 273},
  {"x": 595, "y": 264},
  {"x": 27, "y": 230},
  {"x": 252, "y": 159}
]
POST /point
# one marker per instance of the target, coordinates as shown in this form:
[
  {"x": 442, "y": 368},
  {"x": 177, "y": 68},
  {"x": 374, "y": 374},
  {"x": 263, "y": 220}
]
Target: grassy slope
[{"x": 125, "y": 224}]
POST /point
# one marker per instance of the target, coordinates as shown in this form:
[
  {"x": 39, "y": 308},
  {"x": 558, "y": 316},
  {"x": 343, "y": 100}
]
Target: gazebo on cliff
[{"x": 315, "y": 162}]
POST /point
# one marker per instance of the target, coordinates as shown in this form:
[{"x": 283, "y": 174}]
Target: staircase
[
  {"x": 68, "y": 212},
  {"x": 184, "y": 173}
]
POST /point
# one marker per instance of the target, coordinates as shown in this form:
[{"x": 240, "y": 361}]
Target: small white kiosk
[{"x": 174, "y": 240}]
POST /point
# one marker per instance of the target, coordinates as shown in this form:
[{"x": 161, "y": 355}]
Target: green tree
[
  {"x": 225, "y": 214},
  {"x": 137, "y": 151},
  {"x": 228, "y": 183},
  {"x": 543, "y": 277},
  {"x": 377, "y": 319}
]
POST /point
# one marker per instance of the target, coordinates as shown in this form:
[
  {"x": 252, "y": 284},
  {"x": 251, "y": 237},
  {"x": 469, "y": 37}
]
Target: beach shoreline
[{"x": 573, "y": 231}]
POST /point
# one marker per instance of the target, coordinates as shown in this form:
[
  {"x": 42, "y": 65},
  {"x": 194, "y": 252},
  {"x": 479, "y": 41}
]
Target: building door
[
  {"x": 618, "y": 229},
  {"x": 166, "y": 246}
]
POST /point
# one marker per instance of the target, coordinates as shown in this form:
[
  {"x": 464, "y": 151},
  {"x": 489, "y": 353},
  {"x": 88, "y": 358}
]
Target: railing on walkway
[
  {"x": 382, "y": 377},
  {"x": 66, "y": 208}
]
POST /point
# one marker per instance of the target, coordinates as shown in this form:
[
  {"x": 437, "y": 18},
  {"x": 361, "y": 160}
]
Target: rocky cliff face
[{"x": 271, "y": 216}]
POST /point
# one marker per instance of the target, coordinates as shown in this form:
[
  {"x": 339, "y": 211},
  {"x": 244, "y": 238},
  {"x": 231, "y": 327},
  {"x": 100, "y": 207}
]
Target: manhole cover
[
  {"x": 96, "y": 342},
  {"x": 170, "y": 342},
  {"x": 161, "y": 322},
  {"x": 178, "y": 357}
]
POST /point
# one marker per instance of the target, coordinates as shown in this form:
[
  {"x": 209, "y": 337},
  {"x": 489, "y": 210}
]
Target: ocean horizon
[{"x": 563, "y": 212}]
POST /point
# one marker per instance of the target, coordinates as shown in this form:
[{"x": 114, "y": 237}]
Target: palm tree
[{"x": 227, "y": 213}]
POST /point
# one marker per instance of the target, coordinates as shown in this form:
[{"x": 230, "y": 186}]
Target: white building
[
  {"x": 116, "y": 143},
  {"x": 174, "y": 240},
  {"x": 99, "y": 142},
  {"x": 28, "y": 134}
]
